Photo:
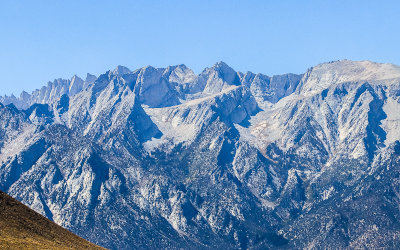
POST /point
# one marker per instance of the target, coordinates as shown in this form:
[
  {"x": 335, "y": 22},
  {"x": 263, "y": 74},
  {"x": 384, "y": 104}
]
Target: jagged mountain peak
[
  {"x": 179, "y": 66},
  {"x": 150, "y": 68},
  {"x": 90, "y": 77},
  {"x": 89, "y": 80},
  {"x": 58, "y": 82},
  {"x": 221, "y": 65},
  {"x": 180, "y": 74},
  {"x": 25, "y": 95},
  {"x": 76, "y": 78},
  {"x": 364, "y": 70},
  {"x": 224, "y": 70},
  {"x": 76, "y": 85},
  {"x": 121, "y": 70},
  {"x": 324, "y": 75},
  {"x": 220, "y": 76}
]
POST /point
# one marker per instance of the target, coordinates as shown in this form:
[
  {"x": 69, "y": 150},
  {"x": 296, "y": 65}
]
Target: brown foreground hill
[{"x": 23, "y": 228}]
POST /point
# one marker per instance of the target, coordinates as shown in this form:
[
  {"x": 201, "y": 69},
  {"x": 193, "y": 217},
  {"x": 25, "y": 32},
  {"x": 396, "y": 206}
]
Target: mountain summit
[
  {"x": 323, "y": 75},
  {"x": 164, "y": 158}
]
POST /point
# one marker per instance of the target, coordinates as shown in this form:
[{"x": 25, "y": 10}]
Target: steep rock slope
[{"x": 50, "y": 93}]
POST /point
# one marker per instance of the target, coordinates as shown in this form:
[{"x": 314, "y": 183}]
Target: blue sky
[{"x": 44, "y": 40}]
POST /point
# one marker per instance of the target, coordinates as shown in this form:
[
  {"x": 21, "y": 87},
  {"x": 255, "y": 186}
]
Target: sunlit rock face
[{"x": 163, "y": 158}]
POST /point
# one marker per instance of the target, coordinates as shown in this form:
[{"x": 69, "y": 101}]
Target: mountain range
[{"x": 165, "y": 158}]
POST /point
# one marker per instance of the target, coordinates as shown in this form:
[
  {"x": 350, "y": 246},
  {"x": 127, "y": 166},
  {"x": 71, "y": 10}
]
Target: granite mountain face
[{"x": 165, "y": 158}]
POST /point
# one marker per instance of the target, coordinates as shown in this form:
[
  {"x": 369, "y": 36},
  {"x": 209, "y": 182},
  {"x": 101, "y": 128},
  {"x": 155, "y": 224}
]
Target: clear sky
[{"x": 43, "y": 40}]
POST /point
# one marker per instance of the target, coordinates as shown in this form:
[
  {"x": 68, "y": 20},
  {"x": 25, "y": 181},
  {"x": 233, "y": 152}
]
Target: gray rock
[{"x": 162, "y": 158}]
